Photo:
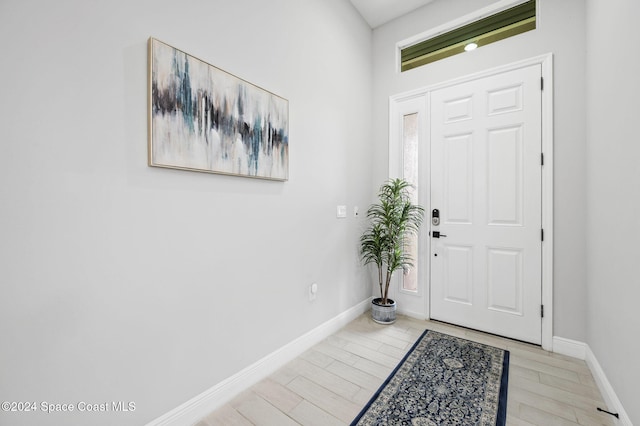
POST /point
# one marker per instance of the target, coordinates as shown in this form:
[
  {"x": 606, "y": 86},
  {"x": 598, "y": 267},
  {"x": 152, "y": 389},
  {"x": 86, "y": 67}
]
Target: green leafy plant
[{"x": 393, "y": 219}]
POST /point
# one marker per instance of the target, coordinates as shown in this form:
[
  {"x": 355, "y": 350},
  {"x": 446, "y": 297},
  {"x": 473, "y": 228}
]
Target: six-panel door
[{"x": 486, "y": 184}]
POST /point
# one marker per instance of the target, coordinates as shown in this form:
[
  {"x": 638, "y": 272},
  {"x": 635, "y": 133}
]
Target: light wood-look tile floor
[{"x": 331, "y": 382}]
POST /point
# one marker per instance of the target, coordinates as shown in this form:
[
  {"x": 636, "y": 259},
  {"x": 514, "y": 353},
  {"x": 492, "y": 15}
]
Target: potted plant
[{"x": 392, "y": 220}]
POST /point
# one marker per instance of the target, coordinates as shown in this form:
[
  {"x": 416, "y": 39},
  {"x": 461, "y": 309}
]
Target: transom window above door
[{"x": 480, "y": 32}]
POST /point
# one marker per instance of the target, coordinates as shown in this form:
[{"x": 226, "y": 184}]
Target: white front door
[{"x": 486, "y": 185}]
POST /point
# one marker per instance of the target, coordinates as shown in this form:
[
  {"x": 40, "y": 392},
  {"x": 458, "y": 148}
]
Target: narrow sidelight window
[{"x": 410, "y": 173}]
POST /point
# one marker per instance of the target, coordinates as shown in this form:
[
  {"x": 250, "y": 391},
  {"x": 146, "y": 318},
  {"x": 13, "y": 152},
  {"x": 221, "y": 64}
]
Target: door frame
[{"x": 420, "y": 98}]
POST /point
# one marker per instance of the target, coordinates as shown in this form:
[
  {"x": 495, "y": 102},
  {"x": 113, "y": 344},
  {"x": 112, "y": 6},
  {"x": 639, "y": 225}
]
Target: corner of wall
[
  {"x": 582, "y": 351},
  {"x": 608, "y": 394}
]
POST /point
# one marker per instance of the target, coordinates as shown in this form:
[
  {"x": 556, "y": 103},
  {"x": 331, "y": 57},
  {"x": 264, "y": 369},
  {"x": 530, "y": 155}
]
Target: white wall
[
  {"x": 122, "y": 282},
  {"x": 561, "y": 30},
  {"x": 613, "y": 182}
]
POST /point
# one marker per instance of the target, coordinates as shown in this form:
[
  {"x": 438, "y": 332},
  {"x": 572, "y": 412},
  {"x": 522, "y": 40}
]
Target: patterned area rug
[{"x": 443, "y": 380}]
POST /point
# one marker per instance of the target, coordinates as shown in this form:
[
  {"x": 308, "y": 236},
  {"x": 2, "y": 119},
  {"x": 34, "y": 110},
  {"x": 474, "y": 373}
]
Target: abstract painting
[{"x": 202, "y": 118}]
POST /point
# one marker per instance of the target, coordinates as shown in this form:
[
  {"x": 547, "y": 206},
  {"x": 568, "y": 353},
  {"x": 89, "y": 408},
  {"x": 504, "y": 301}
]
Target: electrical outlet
[{"x": 341, "y": 211}]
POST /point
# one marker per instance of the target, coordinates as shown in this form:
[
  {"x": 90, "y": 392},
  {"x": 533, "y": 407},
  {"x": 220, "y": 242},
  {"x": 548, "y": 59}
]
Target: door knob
[{"x": 437, "y": 234}]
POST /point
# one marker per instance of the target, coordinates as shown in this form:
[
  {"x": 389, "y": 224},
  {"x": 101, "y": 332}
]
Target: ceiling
[{"x": 378, "y": 12}]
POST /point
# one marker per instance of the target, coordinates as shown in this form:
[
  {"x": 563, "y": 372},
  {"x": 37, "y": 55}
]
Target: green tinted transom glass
[{"x": 509, "y": 22}]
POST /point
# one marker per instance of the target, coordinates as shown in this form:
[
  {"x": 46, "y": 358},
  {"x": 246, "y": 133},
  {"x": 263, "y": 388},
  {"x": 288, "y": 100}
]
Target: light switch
[{"x": 341, "y": 211}]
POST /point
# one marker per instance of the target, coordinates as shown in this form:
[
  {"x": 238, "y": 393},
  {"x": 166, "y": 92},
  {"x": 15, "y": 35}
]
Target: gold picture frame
[{"x": 204, "y": 119}]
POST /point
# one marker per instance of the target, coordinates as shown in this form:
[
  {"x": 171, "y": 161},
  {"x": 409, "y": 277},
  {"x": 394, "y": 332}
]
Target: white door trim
[
  {"x": 546, "y": 62},
  {"x": 410, "y": 302}
]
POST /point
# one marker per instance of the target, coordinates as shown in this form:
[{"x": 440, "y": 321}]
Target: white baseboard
[
  {"x": 411, "y": 314},
  {"x": 570, "y": 347},
  {"x": 208, "y": 401},
  {"x": 582, "y": 351},
  {"x": 608, "y": 394}
]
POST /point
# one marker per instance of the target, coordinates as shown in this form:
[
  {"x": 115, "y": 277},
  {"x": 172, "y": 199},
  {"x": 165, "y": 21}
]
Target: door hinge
[
  {"x": 541, "y": 311},
  {"x": 542, "y": 159},
  {"x": 542, "y": 235},
  {"x": 541, "y": 83}
]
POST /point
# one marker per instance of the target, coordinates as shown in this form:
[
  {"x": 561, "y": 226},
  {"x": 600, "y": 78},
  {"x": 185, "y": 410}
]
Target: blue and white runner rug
[{"x": 443, "y": 380}]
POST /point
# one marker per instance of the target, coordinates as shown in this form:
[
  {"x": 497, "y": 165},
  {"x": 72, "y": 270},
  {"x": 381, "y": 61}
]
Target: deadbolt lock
[{"x": 435, "y": 217}]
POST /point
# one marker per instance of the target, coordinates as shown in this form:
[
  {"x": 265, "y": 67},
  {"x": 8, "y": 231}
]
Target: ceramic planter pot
[{"x": 383, "y": 314}]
